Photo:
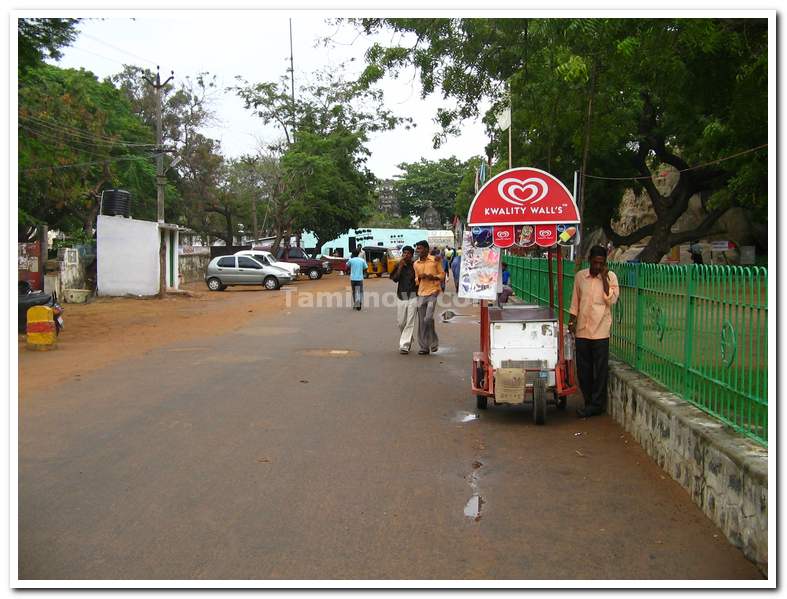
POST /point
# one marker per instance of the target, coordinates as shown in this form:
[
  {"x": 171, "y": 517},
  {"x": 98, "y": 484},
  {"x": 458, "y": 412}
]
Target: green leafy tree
[
  {"x": 320, "y": 183},
  {"x": 383, "y": 220},
  {"x": 77, "y": 137},
  {"x": 334, "y": 187},
  {"x": 40, "y": 39},
  {"x": 465, "y": 190},
  {"x": 611, "y": 98},
  {"x": 429, "y": 183},
  {"x": 193, "y": 184}
]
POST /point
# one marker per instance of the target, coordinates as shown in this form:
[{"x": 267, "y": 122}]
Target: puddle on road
[
  {"x": 473, "y": 507},
  {"x": 464, "y": 417},
  {"x": 330, "y": 353},
  {"x": 445, "y": 349},
  {"x": 474, "y": 504}
]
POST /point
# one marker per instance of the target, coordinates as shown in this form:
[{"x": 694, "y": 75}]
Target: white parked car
[{"x": 267, "y": 259}]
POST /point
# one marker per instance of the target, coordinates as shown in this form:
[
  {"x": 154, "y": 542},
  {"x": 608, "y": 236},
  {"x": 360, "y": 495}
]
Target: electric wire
[
  {"x": 88, "y": 150},
  {"x": 93, "y": 163},
  {"x": 78, "y": 133},
  {"x": 691, "y": 168},
  {"x": 121, "y": 50},
  {"x": 123, "y": 64},
  {"x": 76, "y": 144}
]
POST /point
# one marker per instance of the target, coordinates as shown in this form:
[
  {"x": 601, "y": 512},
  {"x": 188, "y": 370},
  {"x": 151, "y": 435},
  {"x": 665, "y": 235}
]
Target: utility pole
[
  {"x": 160, "y": 180},
  {"x": 292, "y": 84}
]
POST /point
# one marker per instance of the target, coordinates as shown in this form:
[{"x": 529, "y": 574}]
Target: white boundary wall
[{"x": 127, "y": 256}]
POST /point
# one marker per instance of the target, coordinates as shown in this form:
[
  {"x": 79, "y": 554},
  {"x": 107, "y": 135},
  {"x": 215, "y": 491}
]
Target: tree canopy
[
  {"x": 322, "y": 184},
  {"x": 616, "y": 99},
  {"x": 78, "y": 136},
  {"x": 429, "y": 183},
  {"x": 39, "y": 39}
]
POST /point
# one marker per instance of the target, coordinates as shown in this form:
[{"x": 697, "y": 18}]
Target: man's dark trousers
[{"x": 592, "y": 371}]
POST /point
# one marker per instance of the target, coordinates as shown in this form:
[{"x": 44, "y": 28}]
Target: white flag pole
[
  {"x": 579, "y": 228},
  {"x": 510, "y": 124}
]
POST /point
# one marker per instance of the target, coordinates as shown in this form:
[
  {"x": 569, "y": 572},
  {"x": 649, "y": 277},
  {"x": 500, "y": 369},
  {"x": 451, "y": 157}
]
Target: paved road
[{"x": 262, "y": 455}]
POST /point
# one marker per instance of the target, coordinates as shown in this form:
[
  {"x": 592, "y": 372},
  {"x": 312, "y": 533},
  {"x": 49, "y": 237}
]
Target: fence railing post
[
  {"x": 688, "y": 346},
  {"x": 638, "y": 316}
]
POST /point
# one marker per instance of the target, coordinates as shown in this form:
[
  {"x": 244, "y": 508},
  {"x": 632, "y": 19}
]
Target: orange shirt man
[
  {"x": 429, "y": 275},
  {"x": 595, "y": 291}
]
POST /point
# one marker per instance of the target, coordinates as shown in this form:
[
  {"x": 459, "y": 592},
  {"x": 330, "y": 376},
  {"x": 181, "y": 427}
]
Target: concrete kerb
[{"x": 725, "y": 474}]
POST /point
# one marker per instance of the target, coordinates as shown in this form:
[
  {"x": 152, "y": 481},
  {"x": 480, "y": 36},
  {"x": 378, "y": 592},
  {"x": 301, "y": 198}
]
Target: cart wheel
[
  {"x": 560, "y": 401},
  {"x": 481, "y": 401},
  {"x": 540, "y": 401}
]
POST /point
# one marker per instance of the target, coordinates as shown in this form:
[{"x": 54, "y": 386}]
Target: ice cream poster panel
[{"x": 479, "y": 271}]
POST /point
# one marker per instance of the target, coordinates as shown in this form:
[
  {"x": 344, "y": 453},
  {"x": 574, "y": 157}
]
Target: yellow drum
[{"x": 41, "y": 335}]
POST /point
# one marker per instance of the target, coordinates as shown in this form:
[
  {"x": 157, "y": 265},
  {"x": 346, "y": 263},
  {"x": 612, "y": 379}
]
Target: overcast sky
[{"x": 255, "y": 45}]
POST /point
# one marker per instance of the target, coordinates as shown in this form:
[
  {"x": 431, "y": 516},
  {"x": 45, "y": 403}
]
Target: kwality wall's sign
[{"x": 523, "y": 196}]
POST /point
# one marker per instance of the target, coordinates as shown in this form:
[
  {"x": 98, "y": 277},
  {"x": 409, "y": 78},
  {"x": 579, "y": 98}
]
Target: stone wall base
[{"x": 725, "y": 473}]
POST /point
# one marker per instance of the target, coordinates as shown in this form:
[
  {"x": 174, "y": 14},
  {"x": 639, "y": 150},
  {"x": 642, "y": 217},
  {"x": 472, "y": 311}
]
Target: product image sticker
[
  {"x": 566, "y": 234},
  {"x": 482, "y": 237},
  {"x": 524, "y": 235}
]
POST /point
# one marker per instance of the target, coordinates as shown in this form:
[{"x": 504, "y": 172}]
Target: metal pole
[
  {"x": 292, "y": 86},
  {"x": 160, "y": 181},
  {"x": 510, "y": 124},
  {"x": 509, "y": 148},
  {"x": 579, "y": 227},
  {"x": 159, "y": 155}
]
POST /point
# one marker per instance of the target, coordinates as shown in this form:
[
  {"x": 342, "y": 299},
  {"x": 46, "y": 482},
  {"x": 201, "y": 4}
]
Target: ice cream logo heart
[
  {"x": 544, "y": 233},
  {"x": 522, "y": 191},
  {"x": 503, "y": 234}
]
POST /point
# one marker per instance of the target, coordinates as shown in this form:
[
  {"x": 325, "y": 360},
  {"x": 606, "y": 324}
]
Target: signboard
[
  {"x": 479, "y": 272},
  {"x": 721, "y": 246},
  {"x": 521, "y": 196}
]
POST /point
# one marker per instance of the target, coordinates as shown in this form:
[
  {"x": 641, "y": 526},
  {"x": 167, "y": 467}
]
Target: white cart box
[{"x": 524, "y": 333}]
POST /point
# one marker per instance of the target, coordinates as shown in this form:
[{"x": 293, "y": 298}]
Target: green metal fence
[{"x": 701, "y": 331}]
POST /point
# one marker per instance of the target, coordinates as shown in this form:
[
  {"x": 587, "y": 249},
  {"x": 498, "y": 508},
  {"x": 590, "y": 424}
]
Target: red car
[{"x": 314, "y": 269}]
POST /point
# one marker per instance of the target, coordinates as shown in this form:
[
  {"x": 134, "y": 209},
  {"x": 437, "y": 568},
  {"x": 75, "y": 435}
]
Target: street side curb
[{"x": 725, "y": 473}]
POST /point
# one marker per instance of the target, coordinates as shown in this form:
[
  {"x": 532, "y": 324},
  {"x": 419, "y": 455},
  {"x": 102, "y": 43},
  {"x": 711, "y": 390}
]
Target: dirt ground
[{"x": 108, "y": 330}]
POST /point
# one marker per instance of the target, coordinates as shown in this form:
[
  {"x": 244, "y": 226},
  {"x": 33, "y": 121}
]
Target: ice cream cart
[{"x": 522, "y": 357}]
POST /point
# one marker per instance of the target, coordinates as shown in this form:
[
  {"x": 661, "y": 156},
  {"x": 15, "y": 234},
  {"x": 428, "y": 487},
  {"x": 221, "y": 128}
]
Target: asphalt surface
[{"x": 305, "y": 447}]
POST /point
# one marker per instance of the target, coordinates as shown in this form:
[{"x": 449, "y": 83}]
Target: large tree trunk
[
  {"x": 668, "y": 208},
  {"x": 230, "y": 231}
]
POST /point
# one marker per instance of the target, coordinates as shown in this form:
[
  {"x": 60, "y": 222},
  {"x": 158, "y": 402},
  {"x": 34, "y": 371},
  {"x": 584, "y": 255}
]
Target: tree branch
[
  {"x": 704, "y": 228},
  {"x": 631, "y": 238}
]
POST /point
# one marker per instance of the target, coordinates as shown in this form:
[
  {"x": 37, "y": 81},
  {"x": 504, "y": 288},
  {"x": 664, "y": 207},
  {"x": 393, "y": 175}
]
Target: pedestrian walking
[
  {"x": 429, "y": 275},
  {"x": 595, "y": 291},
  {"x": 407, "y": 298},
  {"x": 456, "y": 267},
  {"x": 357, "y": 266},
  {"x": 446, "y": 269}
]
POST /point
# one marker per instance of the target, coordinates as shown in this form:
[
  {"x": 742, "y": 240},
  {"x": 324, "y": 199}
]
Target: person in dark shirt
[
  {"x": 407, "y": 298},
  {"x": 508, "y": 291}
]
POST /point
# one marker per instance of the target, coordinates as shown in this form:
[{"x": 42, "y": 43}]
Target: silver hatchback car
[{"x": 224, "y": 271}]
